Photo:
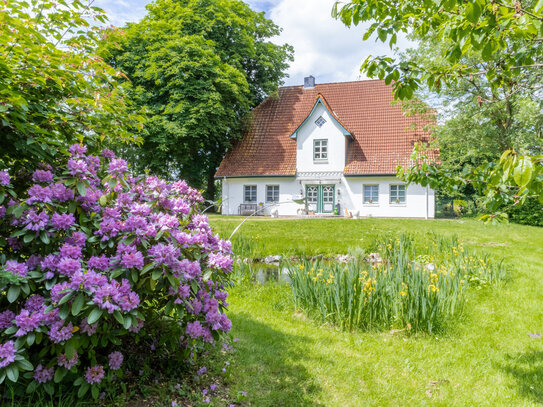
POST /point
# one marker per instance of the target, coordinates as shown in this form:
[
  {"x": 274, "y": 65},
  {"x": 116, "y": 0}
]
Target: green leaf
[
  {"x": 66, "y": 298},
  {"x": 13, "y": 293},
  {"x": 112, "y": 183},
  {"x": 29, "y": 237},
  {"x": 44, "y": 237},
  {"x": 12, "y": 373},
  {"x": 94, "y": 315},
  {"x": 94, "y": 391},
  {"x": 156, "y": 274},
  {"x": 523, "y": 172},
  {"x": 78, "y": 304},
  {"x": 70, "y": 347},
  {"x": 81, "y": 188},
  {"x": 118, "y": 316},
  {"x": 60, "y": 372},
  {"x": 83, "y": 390},
  {"x": 25, "y": 365},
  {"x": 103, "y": 200}
]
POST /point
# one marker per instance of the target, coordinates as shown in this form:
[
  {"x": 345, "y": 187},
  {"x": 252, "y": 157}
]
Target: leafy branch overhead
[
  {"x": 482, "y": 25},
  {"x": 54, "y": 89}
]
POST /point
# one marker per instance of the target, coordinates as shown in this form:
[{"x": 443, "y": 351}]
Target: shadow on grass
[
  {"x": 271, "y": 365},
  {"x": 527, "y": 369}
]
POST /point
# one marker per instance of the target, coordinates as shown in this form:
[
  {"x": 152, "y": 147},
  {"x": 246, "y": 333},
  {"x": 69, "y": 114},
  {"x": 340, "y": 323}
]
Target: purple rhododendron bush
[{"x": 96, "y": 263}]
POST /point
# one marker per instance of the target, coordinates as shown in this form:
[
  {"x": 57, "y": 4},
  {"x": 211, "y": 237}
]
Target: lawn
[{"x": 489, "y": 358}]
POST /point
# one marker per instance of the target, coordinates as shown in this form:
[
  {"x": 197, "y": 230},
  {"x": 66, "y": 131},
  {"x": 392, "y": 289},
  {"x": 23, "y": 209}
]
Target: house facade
[{"x": 324, "y": 149}]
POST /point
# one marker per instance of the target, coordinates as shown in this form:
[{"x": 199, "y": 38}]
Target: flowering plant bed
[
  {"x": 420, "y": 292},
  {"x": 93, "y": 261}
]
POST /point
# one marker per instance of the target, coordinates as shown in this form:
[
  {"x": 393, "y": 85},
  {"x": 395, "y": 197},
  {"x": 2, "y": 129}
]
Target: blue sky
[{"x": 323, "y": 47}]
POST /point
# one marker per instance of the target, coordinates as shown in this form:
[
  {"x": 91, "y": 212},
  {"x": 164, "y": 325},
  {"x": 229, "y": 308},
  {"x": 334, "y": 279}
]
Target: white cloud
[{"x": 323, "y": 46}]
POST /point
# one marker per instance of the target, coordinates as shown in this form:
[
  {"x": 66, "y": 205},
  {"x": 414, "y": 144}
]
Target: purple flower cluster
[
  {"x": 7, "y": 353},
  {"x": 94, "y": 374},
  {"x": 16, "y": 268},
  {"x": 67, "y": 363},
  {"x": 43, "y": 374},
  {"x": 88, "y": 254},
  {"x": 115, "y": 360},
  {"x": 4, "y": 178}
]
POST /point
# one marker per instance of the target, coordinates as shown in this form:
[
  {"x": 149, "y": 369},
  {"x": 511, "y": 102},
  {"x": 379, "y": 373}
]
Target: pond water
[{"x": 270, "y": 272}]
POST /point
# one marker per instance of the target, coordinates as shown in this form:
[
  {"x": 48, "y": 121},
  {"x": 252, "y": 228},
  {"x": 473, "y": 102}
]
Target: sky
[{"x": 323, "y": 46}]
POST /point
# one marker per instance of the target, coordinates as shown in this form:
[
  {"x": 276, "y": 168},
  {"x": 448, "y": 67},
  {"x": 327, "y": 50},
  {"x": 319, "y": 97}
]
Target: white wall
[
  {"x": 350, "y": 196},
  {"x": 330, "y": 131},
  {"x": 415, "y": 206},
  {"x": 233, "y": 194}
]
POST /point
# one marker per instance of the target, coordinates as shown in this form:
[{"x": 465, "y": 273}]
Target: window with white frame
[
  {"x": 272, "y": 193},
  {"x": 320, "y": 150},
  {"x": 249, "y": 193},
  {"x": 371, "y": 194},
  {"x": 397, "y": 194}
]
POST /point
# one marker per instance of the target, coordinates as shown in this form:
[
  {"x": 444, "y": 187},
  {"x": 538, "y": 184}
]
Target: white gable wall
[{"x": 309, "y": 132}]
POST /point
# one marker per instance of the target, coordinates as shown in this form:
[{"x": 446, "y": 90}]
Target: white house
[{"x": 337, "y": 145}]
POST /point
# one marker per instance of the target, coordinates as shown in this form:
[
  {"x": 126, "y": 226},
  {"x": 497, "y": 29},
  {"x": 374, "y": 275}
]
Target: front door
[{"x": 320, "y": 198}]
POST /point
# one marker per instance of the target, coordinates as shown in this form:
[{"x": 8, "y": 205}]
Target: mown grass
[{"x": 488, "y": 358}]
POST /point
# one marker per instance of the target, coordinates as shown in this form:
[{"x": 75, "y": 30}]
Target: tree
[
  {"x": 197, "y": 67},
  {"x": 506, "y": 35},
  {"x": 54, "y": 90}
]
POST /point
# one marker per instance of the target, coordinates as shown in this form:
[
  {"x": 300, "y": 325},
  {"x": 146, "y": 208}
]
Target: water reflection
[{"x": 271, "y": 272}]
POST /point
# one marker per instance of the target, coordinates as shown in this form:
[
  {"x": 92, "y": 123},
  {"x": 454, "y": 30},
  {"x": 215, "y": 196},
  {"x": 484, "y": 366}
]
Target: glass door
[{"x": 320, "y": 198}]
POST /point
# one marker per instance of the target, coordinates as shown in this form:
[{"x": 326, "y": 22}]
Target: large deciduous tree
[
  {"x": 495, "y": 45},
  {"x": 197, "y": 67},
  {"x": 54, "y": 89}
]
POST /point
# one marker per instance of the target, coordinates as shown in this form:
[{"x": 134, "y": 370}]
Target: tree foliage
[
  {"x": 197, "y": 67},
  {"x": 489, "y": 51},
  {"x": 54, "y": 89}
]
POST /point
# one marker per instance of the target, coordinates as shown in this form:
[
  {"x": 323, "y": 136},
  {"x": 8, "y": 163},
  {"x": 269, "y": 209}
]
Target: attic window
[{"x": 320, "y": 121}]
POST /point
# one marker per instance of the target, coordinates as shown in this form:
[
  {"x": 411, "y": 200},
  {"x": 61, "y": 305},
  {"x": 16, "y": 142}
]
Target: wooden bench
[{"x": 248, "y": 209}]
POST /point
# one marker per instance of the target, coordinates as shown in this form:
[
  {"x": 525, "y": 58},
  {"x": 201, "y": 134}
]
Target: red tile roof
[{"x": 383, "y": 136}]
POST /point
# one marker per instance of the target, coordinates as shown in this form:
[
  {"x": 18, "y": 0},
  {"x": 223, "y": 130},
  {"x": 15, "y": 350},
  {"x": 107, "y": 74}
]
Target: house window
[
  {"x": 397, "y": 194},
  {"x": 371, "y": 194},
  {"x": 320, "y": 121},
  {"x": 272, "y": 193},
  {"x": 249, "y": 193},
  {"x": 320, "y": 149}
]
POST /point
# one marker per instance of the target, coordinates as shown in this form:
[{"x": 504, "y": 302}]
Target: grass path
[{"x": 284, "y": 359}]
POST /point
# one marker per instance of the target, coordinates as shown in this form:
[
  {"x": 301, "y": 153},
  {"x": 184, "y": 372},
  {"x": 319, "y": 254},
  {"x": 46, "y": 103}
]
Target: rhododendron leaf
[
  {"x": 147, "y": 268},
  {"x": 39, "y": 337},
  {"x": 118, "y": 317},
  {"x": 116, "y": 273},
  {"x": 10, "y": 330},
  {"x": 172, "y": 280},
  {"x": 207, "y": 275},
  {"x": 134, "y": 276},
  {"x": 25, "y": 365},
  {"x": 18, "y": 233},
  {"x": 112, "y": 183},
  {"x": 127, "y": 323},
  {"x": 60, "y": 372},
  {"x": 18, "y": 211},
  {"x": 114, "y": 340},
  {"x": 30, "y": 338},
  {"x": 78, "y": 304},
  {"x": 83, "y": 390},
  {"x": 66, "y": 298},
  {"x": 156, "y": 274},
  {"x": 94, "y": 315},
  {"x": 103, "y": 200},
  {"x": 128, "y": 240},
  {"x": 29, "y": 237},
  {"x": 2, "y": 197},
  {"x": 12, "y": 373},
  {"x": 79, "y": 381},
  {"x": 25, "y": 288},
  {"x": 94, "y": 391},
  {"x": 13, "y": 292},
  {"x": 49, "y": 388},
  {"x": 64, "y": 311},
  {"x": 44, "y": 237},
  {"x": 81, "y": 188},
  {"x": 70, "y": 347},
  {"x": 31, "y": 388}
]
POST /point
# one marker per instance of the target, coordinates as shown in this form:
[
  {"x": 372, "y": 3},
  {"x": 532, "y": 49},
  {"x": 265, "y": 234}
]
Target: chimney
[{"x": 309, "y": 82}]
